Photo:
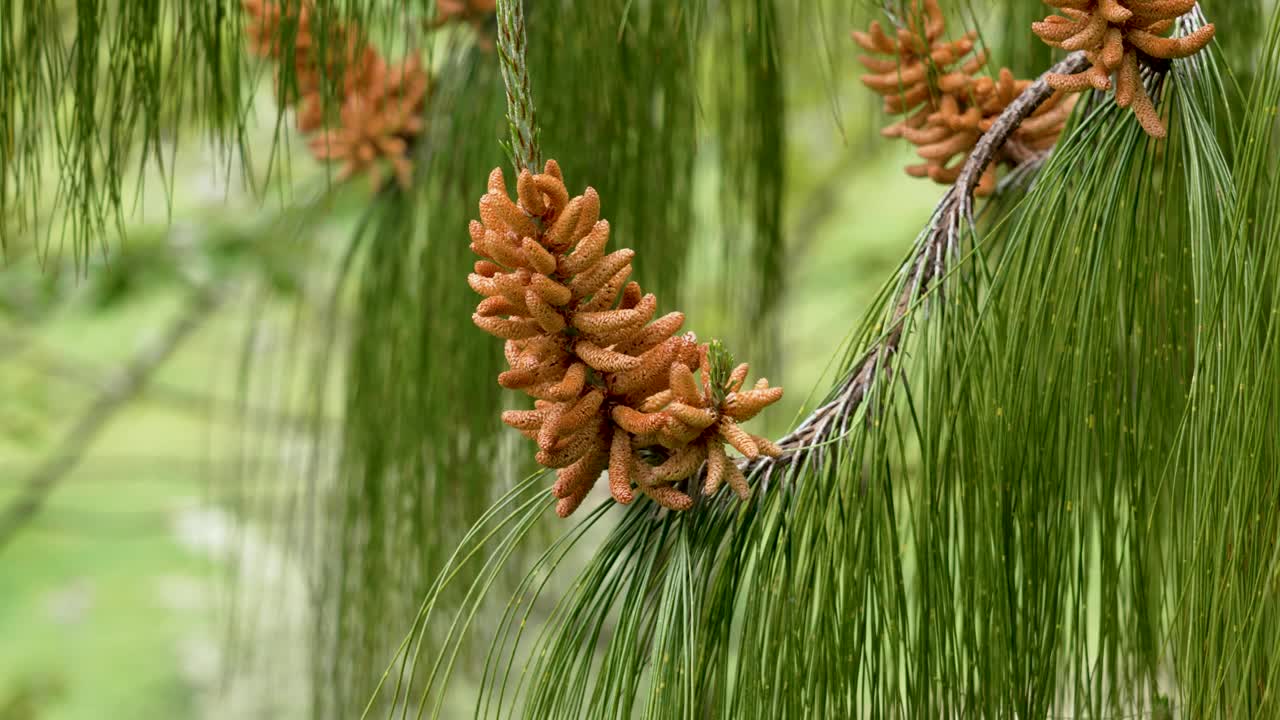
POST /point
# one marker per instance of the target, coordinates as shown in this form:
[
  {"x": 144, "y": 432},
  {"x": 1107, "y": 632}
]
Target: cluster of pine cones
[
  {"x": 948, "y": 107},
  {"x": 1116, "y": 35},
  {"x": 613, "y": 387},
  {"x": 380, "y": 103}
]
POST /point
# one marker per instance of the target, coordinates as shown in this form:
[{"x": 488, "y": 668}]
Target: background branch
[
  {"x": 63, "y": 366},
  {"x": 115, "y": 394}
]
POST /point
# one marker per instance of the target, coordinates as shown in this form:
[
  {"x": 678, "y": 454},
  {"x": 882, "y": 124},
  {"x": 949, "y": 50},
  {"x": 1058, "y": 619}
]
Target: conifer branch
[
  {"x": 521, "y": 115},
  {"x": 131, "y": 380},
  {"x": 198, "y": 402},
  {"x": 928, "y": 262}
]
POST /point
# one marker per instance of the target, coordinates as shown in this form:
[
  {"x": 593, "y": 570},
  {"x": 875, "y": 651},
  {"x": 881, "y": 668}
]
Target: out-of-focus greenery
[
  {"x": 113, "y": 596},
  {"x": 103, "y": 603},
  {"x": 115, "y": 599},
  {"x": 112, "y": 601}
]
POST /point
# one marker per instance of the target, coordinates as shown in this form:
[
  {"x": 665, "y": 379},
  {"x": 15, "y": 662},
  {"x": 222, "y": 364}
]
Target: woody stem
[{"x": 929, "y": 261}]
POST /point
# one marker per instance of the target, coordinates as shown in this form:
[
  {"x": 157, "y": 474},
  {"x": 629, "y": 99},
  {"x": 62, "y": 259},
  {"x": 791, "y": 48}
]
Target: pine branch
[
  {"x": 929, "y": 262},
  {"x": 88, "y": 376},
  {"x": 116, "y": 394},
  {"x": 521, "y": 115}
]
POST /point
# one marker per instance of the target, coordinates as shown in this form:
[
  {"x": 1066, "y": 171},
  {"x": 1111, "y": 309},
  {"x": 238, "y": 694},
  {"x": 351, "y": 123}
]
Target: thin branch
[
  {"x": 116, "y": 394},
  {"x": 927, "y": 263},
  {"x": 521, "y": 115},
  {"x": 184, "y": 399}
]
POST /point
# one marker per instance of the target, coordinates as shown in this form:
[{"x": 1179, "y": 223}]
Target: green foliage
[
  {"x": 421, "y": 451},
  {"x": 95, "y": 88},
  {"x": 1057, "y": 505},
  {"x": 512, "y": 46},
  {"x": 721, "y": 365},
  {"x": 745, "y": 65},
  {"x": 1051, "y": 506}
]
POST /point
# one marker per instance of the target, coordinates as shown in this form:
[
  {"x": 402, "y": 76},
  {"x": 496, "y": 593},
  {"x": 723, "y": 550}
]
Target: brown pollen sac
[
  {"x": 604, "y": 360},
  {"x": 636, "y": 422},
  {"x": 742, "y": 406},
  {"x": 738, "y": 438},
  {"x": 605, "y": 297},
  {"x": 682, "y": 463},
  {"x": 550, "y": 290},
  {"x": 669, "y": 497},
  {"x": 620, "y": 468},
  {"x": 738, "y": 482},
  {"x": 700, "y": 424},
  {"x": 574, "y": 483},
  {"x": 683, "y": 385},
  {"x": 652, "y": 372},
  {"x": 531, "y": 198},
  {"x": 717, "y": 465},
  {"x": 613, "y": 387}
]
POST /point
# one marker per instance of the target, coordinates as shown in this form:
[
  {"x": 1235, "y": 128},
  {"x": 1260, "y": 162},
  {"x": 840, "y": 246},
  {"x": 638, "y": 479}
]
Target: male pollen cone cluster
[
  {"x": 1113, "y": 33},
  {"x": 934, "y": 83},
  {"x": 614, "y": 388},
  {"x": 380, "y": 103}
]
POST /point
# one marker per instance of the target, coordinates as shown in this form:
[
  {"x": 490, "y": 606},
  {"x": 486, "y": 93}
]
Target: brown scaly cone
[
  {"x": 947, "y": 106},
  {"x": 1117, "y": 35},
  {"x": 380, "y": 103},
  {"x": 581, "y": 339}
]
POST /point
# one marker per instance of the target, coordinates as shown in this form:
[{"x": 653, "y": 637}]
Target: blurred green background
[{"x": 116, "y": 596}]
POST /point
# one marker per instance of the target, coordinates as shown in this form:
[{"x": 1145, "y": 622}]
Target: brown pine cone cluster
[
  {"x": 948, "y": 106},
  {"x": 1116, "y": 35},
  {"x": 699, "y": 421},
  {"x": 381, "y": 103},
  {"x": 613, "y": 387}
]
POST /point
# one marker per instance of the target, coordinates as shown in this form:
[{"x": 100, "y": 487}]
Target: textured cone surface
[
  {"x": 948, "y": 106},
  {"x": 1117, "y": 35},
  {"x": 581, "y": 340},
  {"x": 380, "y": 104}
]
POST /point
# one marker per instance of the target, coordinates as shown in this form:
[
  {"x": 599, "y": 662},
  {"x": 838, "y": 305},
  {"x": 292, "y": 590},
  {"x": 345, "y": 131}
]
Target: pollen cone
[{"x": 612, "y": 384}]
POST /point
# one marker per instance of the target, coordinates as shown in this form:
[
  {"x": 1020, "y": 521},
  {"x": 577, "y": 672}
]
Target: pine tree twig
[
  {"x": 115, "y": 395},
  {"x": 177, "y": 397},
  {"x": 521, "y": 115},
  {"x": 934, "y": 248}
]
